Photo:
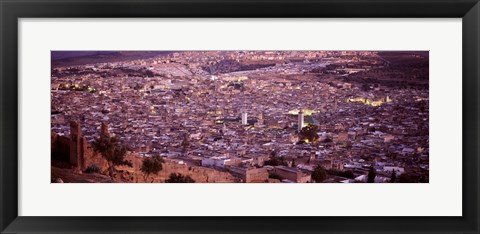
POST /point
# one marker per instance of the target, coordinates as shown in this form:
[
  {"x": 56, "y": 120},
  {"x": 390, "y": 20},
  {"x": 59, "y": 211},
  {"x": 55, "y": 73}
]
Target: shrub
[
  {"x": 151, "y": 165},
  {"x": 93, "y": 169},
  {"x": 319, "y": 174},
  {"x": 179, "y": 178}
]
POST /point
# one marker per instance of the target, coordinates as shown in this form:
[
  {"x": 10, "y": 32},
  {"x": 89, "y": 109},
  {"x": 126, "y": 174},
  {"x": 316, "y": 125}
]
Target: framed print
[{"x": 257, "y": 116}]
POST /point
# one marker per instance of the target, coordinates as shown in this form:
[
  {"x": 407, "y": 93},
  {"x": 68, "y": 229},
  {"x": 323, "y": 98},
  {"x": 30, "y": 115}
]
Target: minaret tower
[
  {"x": 300, "y": 120},
  {"x": 244, "y": 117}
]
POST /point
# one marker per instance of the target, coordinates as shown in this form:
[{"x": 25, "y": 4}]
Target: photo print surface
[{"x": 240, "y": 117}]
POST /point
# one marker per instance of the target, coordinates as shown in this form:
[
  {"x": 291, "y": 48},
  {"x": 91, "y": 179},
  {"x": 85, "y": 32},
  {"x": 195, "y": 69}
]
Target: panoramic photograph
[{"x": 240, "y": 116}]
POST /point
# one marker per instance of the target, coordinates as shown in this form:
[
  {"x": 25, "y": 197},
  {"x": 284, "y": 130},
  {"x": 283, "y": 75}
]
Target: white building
[{"x": 215, "y": 161}]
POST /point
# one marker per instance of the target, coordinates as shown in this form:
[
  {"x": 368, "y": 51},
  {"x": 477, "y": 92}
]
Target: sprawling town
[{"x": 241, "y": 117}]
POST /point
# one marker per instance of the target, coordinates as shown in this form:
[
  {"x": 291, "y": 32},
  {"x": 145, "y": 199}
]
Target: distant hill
[
  {"x": 56, "y": 55},
  {"x": 402, "y": 69},
  {"x": 74, "y": 58}
]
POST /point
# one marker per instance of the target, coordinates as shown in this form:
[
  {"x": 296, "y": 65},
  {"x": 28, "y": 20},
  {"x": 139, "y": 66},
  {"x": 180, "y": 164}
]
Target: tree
[
  {"x": 423, "y": 179},
  {"x": 346, "y": 174},
  {"x": 112, "y": 150},
  {"x": 179, "y": 178},
  {"x": 405, "y": 178},
  {"x": 371, "y": 175},
  {"x": 309, "y": 133},
  {"x": 365, "y": 87},
  {"x": 393, "y": 177},
  {"x": 151, "y": 165},
  {"x": 274, "y": 160},
  {"x": 319, "y": 174},
  {"x": 328, "y": 140}
]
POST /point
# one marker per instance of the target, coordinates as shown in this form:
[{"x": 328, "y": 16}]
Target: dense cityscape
[{"x": 240, "y": 116}]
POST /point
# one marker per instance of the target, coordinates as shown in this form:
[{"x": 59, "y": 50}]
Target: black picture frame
[{"x": 12, "y": 10}]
